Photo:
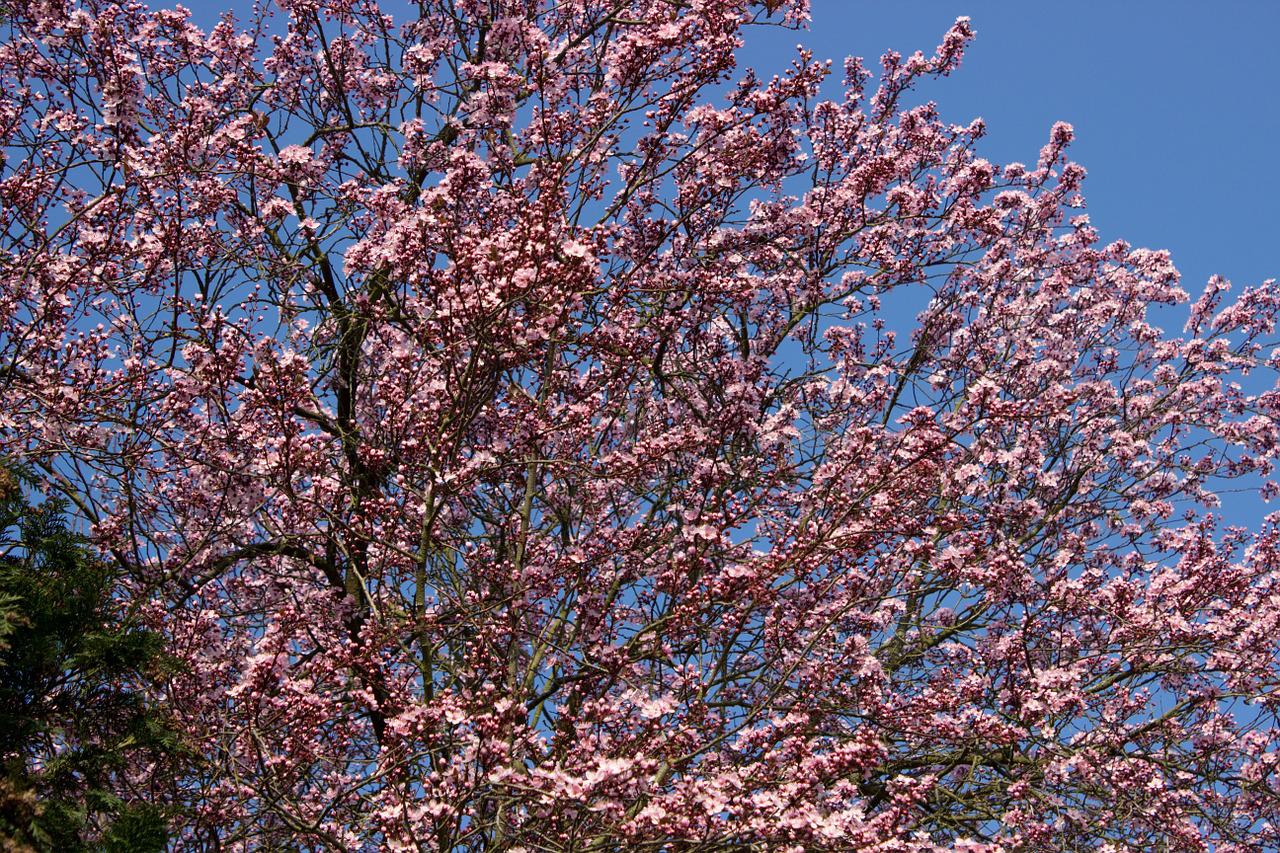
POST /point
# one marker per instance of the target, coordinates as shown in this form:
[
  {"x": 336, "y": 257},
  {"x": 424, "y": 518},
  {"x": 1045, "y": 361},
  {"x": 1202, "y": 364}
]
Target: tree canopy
[{"x": 526, "y": 429}]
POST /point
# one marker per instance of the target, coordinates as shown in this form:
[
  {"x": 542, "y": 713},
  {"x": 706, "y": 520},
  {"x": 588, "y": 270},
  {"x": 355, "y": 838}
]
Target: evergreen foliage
[{"x": 74, "y": 713}]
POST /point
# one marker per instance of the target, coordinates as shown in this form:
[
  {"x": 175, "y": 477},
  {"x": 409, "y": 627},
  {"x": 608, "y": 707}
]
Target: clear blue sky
[{"x": 1176, "y": 106}]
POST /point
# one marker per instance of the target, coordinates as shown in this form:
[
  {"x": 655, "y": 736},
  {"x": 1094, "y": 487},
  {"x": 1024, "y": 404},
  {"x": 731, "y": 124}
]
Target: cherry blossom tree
[{"x": 532, "y": 430}]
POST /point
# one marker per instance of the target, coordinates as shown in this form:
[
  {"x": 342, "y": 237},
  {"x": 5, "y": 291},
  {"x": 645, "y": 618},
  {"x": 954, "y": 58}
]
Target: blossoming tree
[{"x": 505, "y": 412}]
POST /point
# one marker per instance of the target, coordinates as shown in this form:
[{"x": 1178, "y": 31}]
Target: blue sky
[{"x": 1176, "y": 106}]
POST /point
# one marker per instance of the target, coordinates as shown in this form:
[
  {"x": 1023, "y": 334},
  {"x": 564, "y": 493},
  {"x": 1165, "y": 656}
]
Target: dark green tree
[{"x": 74, "y": 709}]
